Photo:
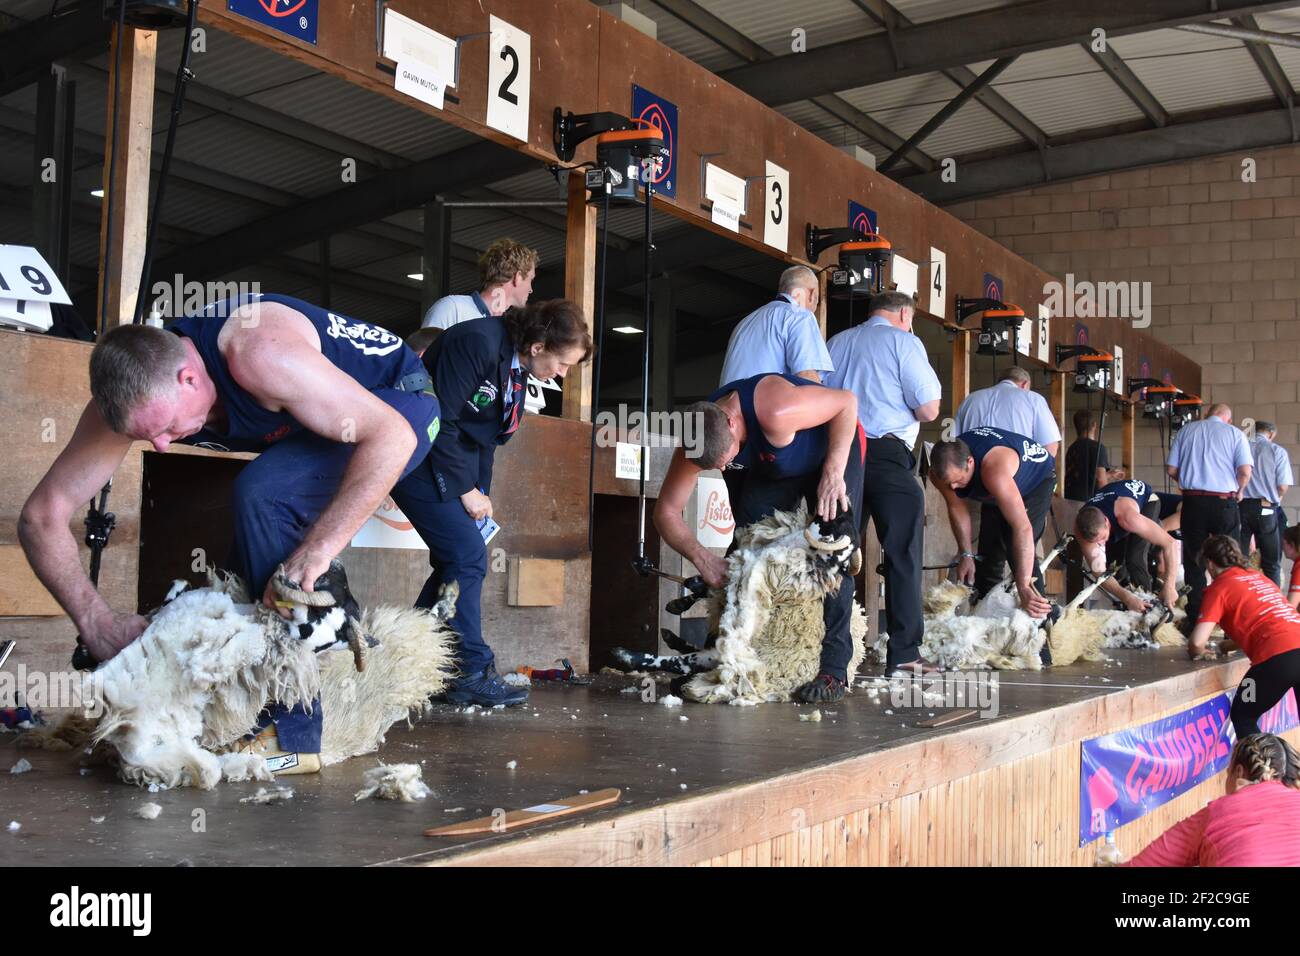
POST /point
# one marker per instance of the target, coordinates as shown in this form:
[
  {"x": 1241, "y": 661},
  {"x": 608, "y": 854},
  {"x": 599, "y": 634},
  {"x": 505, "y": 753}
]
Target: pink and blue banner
[{"x": 1125, "y": 775}]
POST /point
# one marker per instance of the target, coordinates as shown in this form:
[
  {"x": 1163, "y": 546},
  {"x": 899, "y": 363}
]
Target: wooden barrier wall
[{"x": 1002, "y": 792}]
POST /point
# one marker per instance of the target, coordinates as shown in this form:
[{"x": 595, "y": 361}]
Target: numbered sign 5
[
  {"x": 25, "y": 275},
  {"x": 1044, "y": 332},
  {"x": 509, "y": 74},
  {"x": 776, "y": 207},
  {"x": 938, "y": 282}
]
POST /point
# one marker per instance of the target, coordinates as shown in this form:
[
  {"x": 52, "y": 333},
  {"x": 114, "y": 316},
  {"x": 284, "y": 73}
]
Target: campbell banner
[{"x": 1125, "y": 775}]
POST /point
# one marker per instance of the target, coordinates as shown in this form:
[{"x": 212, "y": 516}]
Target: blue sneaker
[{"x": 486, "y": 689}]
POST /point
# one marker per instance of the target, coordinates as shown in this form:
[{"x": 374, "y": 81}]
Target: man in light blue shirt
[
  {"x": 886, "y": 367},
  {"x": 506, "y": 271},
  {"x": 1011, "y": 405},
  {"x": 1211, "y": 460},
  {"x": 781, "y": 336},
  {"x": 1261, "y": 500}
]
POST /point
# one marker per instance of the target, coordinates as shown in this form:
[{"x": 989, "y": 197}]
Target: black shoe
[
  {"x": 822, "y": 689},
  {"x": 486, "y": 689}
]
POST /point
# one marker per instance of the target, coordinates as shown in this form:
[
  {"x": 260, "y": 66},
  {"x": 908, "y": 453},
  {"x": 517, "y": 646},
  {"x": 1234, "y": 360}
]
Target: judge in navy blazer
[{"x": 479, "y": 370}]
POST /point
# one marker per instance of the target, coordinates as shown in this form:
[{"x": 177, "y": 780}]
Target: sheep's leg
[
  {"x": 1087, "y": 592},
  {"x": 685, "y": 664}
]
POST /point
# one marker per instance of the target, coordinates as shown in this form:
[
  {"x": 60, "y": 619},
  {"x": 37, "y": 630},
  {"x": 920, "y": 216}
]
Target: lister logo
[{"x": 77, "y": 909}]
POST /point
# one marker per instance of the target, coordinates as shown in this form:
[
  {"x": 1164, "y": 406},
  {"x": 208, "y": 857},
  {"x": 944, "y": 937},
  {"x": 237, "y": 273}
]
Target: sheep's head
[{"x": 834, "y": 543}]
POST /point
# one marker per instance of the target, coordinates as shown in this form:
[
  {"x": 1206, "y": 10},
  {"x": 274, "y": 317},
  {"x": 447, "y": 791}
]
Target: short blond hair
[{"x": 501, "y": 260}]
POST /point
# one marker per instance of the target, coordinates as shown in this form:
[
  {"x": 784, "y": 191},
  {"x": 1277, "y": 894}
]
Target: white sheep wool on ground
[
  {"x": 769, "y": 618},
  {"x": 210, "y": 661}
]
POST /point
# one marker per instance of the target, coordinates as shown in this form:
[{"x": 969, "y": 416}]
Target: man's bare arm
[
  {"x": 674, "y": 494},
  {"x": 289, "y": 373},
  {"x": 77, "y": 475}
]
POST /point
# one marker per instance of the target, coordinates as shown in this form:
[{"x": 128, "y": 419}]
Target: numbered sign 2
[
  {"x": 938, "y": 282},
  {"x": 509, "y": 74},
  {"x": 25, "y": 275},
  {"x": 776, "y": 207}
]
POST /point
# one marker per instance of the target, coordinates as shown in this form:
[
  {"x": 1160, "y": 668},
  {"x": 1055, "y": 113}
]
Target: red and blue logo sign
[
  {"x": 993, "y": 287},
  {"x": 657, "y": 111},
  {"x": 1080, "y": 334},
  {"x": 861, "y": 218},
  {"x": 297, "y": 18}
]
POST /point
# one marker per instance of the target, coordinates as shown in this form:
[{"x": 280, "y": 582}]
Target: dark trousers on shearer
[
  {"x": 1267, "y": 533},
  {"x": 1261, "y": 688},
  {"x": 1204, "y": 515},
  {"x": 276, "y": 499},
  {"x": 757, "y": 498},
  {"x": 893, "y": 499},
  {"x": 995, "y": 536}
]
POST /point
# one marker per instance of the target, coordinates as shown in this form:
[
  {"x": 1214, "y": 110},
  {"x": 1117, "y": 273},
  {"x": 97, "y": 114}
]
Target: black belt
[{"x": 416, "y": 382}]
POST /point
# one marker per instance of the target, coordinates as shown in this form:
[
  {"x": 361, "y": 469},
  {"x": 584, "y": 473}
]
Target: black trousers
[
  {"x": 893, "y": 499},
  {"x": 757, "y": 497},
  {"x": 1204, "y": 515},
  {"x": 995, "y": 537},
  {"x": 1263, "y": 686},
  {"x": 1267, "y": 534}
]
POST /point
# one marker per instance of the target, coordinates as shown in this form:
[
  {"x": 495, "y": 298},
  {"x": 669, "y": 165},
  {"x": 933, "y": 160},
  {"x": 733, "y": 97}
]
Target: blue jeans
[
  {"x": 456, "y": 553},
  {"x": 277, "y": 497}
]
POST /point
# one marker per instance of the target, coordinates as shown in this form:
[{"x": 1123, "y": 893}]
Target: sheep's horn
[
  {"x": 817, "y": 544},
  {"x": 288, "y": 591}
]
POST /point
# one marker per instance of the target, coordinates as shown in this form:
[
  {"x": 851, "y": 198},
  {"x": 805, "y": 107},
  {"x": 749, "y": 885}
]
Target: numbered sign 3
[
  {"x": 776, "y": 208},
  {"x": 509, "y": 74}
]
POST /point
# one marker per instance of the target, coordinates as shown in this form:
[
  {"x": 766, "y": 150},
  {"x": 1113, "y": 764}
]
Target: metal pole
[{"x": 645, "y": 365}]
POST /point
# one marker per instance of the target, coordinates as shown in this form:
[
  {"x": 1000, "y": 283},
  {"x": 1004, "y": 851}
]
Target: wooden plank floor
[{"x": 565, "y": 740}]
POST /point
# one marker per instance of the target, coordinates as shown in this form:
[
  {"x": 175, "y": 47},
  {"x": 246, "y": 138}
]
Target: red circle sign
[{"x": 270, "y": 7}]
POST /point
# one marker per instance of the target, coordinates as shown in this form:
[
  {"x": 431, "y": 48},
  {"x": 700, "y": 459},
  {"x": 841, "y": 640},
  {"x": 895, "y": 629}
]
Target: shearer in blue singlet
[{"x": 337, "y": 409}]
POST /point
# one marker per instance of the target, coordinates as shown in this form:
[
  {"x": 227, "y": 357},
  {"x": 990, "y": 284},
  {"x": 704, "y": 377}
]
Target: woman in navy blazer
[{"x": 479, "y": 370}]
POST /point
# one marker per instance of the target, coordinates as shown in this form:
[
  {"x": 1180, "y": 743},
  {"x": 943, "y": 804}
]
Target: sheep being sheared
[
  {"x": 196, "y": 680},
  {"x": 768, "y": 619}
]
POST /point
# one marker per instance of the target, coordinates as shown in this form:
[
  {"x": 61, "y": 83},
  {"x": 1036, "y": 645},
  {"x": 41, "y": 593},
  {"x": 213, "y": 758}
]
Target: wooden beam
[
  {"x": 1056, "y": 401},
  {"x": 960, "y": 371},
  {"x": 1129, "y": 412},
  {"x": 580, "y": 286},
  {"x": 128, "y": 190},
  {"x": 822, "y": 282}
]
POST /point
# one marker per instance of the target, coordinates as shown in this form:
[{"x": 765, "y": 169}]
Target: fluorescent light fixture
[
  {"x": 417, "y": 276},
  {"x": 627, "y": 329},
  {"x": 97, "y": 193}
]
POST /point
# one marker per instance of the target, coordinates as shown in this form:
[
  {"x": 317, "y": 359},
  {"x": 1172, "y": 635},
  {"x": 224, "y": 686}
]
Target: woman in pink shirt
[{"x": 1256, "y": 824}]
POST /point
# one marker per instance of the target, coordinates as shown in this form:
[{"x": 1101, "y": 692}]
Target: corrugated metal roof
[
  {"x": 769, "y": 22},
  {"x": 1062, "y": 90},
  {"x": 919, "y": 11},
  {"x": 1190, "y": 71},
  {"x": 674, "y": 33}
]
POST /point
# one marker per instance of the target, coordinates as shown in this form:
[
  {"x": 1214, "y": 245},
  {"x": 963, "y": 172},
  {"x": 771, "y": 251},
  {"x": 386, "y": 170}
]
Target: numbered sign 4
[
  {"x": 938, "y": 282},
  {"x": 776, "y": 207},
  {"x": 509, "y": 75}
]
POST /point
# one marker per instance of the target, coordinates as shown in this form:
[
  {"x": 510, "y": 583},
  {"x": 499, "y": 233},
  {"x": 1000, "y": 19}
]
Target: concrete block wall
[{"x": 1223, "y": 258}]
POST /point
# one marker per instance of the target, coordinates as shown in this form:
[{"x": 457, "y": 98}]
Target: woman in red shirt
[
  {"x": 1291, "y": 548},
  {"x": 1256, "y": 618},
  {"x": 1256, "y": 824}
]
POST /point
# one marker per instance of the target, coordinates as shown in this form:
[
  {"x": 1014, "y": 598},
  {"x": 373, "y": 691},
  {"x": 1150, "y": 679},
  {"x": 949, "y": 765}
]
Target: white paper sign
[
  {"x": 724, "y": 187},
  {"x": 725, "y": 215},
  {"x": 905, "y": 274},
  {"x": 419, "y": 80},
  {"x": 388, "y": 528},
  {"x": 938, "y": 282},
  {"x": 712, "y": 520},
  {"x": 627, "y": 460},
  {"x": 1025, "y": 336},
  {"x": 1044, "y": 332},
  {"x": 1119, "y": 384},
  {"x": 27, "y": 315},
  {"x": 510, "y": 70},
  {"x": 407, "y": 40},
  {"x": 25, "y": 275},
  {"x": 776, "y": 207},
  {"x": 535, "y": 393}
]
